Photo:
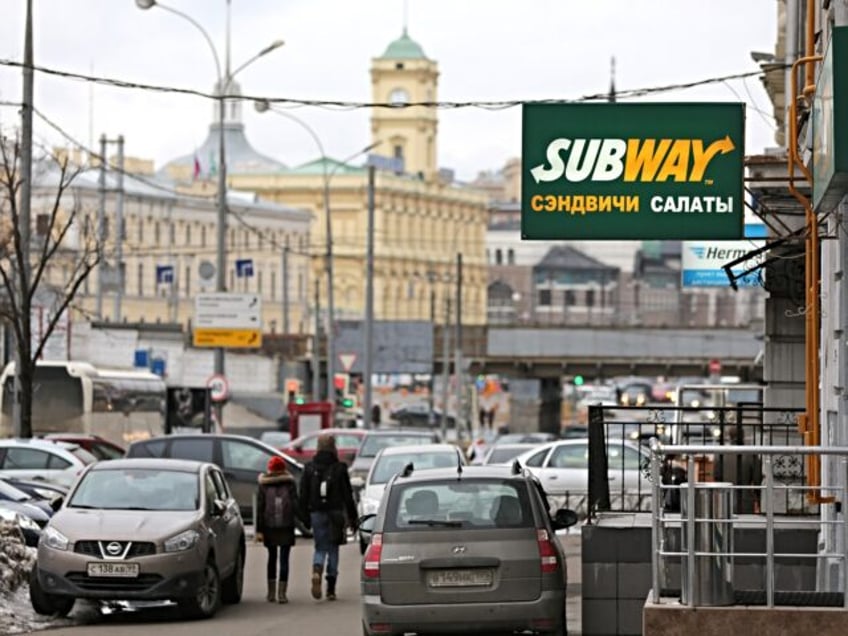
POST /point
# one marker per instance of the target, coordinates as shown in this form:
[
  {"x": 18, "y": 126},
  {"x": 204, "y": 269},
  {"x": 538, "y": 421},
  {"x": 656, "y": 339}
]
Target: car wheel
[
  {"x": 363, "y": 546},
  {"x": 234, "y": 584},
  {"x": 207, "y": 597},
  {"x": 47, "y": 604}
]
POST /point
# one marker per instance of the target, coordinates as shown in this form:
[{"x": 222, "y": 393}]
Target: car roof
[
  {"x": 490, "y": 471},
  {"x": 151, "y": 463},
  {"x": 39, "y": 443},
  {"x": 223, "y": 436},
  {"x": 401, "y": 431},
  {"x": 333, "y": 431},
  {"x": 421, "y": 448}
]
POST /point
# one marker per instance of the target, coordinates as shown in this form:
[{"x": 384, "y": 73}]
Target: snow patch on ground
[{"x": 16, "y": 560}]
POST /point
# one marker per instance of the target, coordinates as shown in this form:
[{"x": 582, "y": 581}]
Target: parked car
[
  {"x": 470, "y": 550},
  {"x": 43, "y": 460},
  {"x": 241, "y": 458},
  {"x": 303, "y": 448},
  {"x": 36, "y": 508},
  {"x": 395, "y": 459},
  {"x": 38, "y": 489},
  {"x": 277, "y": 439},
  {"x": 563, "y": 469},
  {"x": 143, "y": 529},
  {"x": 505, "y": 453},
  {"x": 525, "y": 438},
  {"x": 29, "y": 529},
  {"x": 375, "y": 441},
  {"x": 94, "y": 444},
  {"x": 418, "y": 414}
]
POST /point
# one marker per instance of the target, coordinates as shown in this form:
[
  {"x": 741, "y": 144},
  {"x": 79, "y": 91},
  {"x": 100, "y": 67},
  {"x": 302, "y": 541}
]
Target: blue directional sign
[
  {"x": 164, "y": 274},
  {"x": 244, "y": 268},
  {"x": 387, "y": 164}
]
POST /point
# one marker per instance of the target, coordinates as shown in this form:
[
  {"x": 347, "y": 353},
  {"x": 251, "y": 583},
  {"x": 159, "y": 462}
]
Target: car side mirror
[
  {"x": 218, "y": 508},
  {"x": 564, "y": 518},
  {"x": 357, "y": 482},
  {"x": 366, "y": 523},
  {"x": 56, "y": 503}
]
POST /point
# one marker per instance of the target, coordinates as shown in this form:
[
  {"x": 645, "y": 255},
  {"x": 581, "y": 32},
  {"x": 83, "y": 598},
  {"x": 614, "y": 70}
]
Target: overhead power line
[{"x": 346, "y": 104}]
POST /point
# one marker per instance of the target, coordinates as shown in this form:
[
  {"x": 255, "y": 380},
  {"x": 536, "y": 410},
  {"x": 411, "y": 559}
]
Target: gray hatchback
[{"x": 470, "y": 549}]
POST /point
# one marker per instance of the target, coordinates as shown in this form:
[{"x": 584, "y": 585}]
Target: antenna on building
[
  {"x": 405, "y": 15},
  {"x": 611, "y": 97},
  {"x": 91, "y": 107}
]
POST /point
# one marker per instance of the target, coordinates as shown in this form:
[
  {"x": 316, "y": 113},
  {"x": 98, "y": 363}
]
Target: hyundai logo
[
  {"x": 459, "y": 549},
  {"x": 114, "y": 548}
]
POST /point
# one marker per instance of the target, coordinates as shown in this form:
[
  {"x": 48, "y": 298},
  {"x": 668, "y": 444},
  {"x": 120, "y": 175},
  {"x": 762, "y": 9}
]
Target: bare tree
[{"x": 62, "y": 253}]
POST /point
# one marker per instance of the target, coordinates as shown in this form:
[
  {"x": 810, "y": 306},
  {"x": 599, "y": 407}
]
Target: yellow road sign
[{"x": 228, "y": 338}]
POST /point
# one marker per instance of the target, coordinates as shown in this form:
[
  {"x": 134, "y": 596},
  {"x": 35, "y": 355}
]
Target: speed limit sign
[{"x": 219, "y": 388}]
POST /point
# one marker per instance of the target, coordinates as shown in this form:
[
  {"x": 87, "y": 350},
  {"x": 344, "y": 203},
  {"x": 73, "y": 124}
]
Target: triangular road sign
[{"x": 347, "y": 360}]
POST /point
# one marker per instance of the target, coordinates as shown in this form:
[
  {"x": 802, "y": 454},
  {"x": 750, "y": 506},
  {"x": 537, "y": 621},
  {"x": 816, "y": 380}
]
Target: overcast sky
[{"x": 486, "y": 50}]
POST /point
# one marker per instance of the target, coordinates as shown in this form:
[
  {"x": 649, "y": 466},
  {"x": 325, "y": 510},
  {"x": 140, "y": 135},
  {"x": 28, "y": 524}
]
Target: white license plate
[
  {"x": 118, "y": 570},
  {"x": 460, "y": 578}
]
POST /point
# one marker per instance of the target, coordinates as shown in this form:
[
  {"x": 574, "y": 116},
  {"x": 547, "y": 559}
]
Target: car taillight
[
  {"x": 371, "y": 562},
  {"x": 547, "y": 551}
]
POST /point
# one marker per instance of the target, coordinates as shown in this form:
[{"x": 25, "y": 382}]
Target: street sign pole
[{"x": 369, "y": 304}]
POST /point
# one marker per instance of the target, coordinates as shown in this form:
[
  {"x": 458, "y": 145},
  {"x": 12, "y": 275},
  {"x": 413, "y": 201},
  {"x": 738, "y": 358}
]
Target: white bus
[{"x": 76, "y": 397}]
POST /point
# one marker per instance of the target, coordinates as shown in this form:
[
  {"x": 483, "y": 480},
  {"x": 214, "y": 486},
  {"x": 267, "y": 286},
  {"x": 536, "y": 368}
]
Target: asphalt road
[{"x": 254, "y": 616}]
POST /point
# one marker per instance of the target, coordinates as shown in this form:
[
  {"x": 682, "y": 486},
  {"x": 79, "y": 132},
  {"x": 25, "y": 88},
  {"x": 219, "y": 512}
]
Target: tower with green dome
[{"x": 404, "y": 74}]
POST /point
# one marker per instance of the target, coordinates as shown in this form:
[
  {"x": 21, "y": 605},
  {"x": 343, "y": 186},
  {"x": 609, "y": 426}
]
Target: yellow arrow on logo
[{"x": 703, "y": 157}]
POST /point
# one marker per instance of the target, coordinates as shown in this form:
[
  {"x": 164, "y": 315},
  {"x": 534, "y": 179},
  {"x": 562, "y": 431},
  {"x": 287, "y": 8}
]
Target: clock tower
[{"x": 404, "y": 75}]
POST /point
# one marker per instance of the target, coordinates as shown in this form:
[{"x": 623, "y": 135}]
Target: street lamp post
[
  {"x": 263, "y": 106},
  {"x": 224, "y": 82}
]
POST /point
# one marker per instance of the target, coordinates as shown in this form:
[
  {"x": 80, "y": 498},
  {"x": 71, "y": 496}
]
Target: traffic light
[
  {"x": 578, "y": 380},
  {"x": 293, "y": 392}
]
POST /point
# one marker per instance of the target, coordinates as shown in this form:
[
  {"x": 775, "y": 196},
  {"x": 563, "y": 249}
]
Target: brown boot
[
  {"x": 281, "y": 592},
  {"x": 317, "y": 571},
  {"x": 272, "y": 591}
]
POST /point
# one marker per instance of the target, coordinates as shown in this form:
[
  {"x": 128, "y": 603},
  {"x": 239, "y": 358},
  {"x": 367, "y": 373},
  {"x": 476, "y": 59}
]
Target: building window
[
  {"x": 545, "y": 297},
  {"x": 510, "y": 256},
  {"x": 498, "y": 257},
  {"x": 188, "y": 282},
  {"x": 202, "y": 236},
  {"x": 172, "y": 233},
  {"x": 156, "y": 233},
  {"x": 273, "y": 285},
  {"x": 246, "y": 238},
  {"x": 140, "y": 229},
  {"x": 232, "y": 279},
  {"x": 259, "y": 282},
  {"x": 188, "y": 233},
  {"x": 570, "y": 299},
  {"x": 590, "y": 297},
  {"x": 140, "y": 281},
  {"x": 398, "y": 152}
]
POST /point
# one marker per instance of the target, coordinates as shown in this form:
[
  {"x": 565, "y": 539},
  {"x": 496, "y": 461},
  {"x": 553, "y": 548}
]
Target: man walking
[{"x": 326, "y": 500}]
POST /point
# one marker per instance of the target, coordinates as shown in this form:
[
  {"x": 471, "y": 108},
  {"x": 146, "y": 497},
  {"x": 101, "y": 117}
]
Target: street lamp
[
  {"x": 224, "y": 81},
  {"x": 264, "y": 106}
]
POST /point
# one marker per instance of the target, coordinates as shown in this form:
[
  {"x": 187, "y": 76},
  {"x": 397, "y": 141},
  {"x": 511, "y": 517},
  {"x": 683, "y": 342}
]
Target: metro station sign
[{"x": 633, "y": 171}]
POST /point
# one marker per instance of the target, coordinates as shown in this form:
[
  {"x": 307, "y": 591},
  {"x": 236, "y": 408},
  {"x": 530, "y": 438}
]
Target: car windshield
[
  {"x": 373, "y": 444},
  {"x": 388, "y": 466},
  {"x": 137, "y": 489},
  {"x": 463, "y": 503}
]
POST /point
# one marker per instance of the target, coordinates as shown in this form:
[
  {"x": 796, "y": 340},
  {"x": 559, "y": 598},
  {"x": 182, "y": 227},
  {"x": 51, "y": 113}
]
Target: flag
[{"x": 196, "y": 172}]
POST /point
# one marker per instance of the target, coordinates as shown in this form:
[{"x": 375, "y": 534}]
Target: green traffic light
[
  {"x": 578, "y": 380},
  {"x": 299, "y": 400},
  {"x": 347, "y": 403}
]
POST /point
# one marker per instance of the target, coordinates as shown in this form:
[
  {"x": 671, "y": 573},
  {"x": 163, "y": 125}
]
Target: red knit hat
[{"x": 277, "y": 464}]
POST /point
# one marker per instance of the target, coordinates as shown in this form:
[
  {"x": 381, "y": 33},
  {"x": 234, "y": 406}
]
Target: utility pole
[
  {"x": 459, "y": 416},
  {"x": 24, "y": 428},
  {"x": 119, "y": 232},
  {"x": 316, "y": 358},
  {"x": 285, "y": 322},
  {"x": 431, "y": 413},
  {"x": 101, "y": 227},
  {"x": 445, "y": 368},
  {"x": 369, "y": 303}
]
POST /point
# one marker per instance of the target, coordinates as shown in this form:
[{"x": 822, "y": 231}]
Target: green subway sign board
[
  {"x": 830, "y": 130},
  {"x": 633, "y": 171}
]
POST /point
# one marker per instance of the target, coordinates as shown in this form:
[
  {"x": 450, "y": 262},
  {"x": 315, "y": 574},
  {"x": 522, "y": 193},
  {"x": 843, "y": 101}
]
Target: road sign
[
  {"x": 715, "y": 367},
  {"x": 347, "y": 360},
  {"x": 244, "y": 268},
  {"x": 227, "y": 338},
  {"x": 224, "y": 310},
  {"x": 164, "y": 274},
  {"x": 219, "y": 388}
]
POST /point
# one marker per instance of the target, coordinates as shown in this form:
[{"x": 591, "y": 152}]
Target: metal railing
[{"x": 662, "y": 520}]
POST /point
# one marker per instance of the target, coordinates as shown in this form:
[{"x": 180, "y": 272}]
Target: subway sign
[{"x": 633, "y": 171}]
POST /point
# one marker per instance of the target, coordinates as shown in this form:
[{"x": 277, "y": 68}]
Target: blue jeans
[
  {"x": 284, "y": 562},
  {"x": 325, "y": 547}
]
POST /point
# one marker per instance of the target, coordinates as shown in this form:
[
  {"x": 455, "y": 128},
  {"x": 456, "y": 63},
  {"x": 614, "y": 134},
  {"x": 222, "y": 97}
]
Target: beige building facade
[{"x": 422, "y": 219}]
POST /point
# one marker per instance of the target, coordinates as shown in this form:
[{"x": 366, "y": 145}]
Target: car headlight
[
  {"x": 369, "y": 505},
  {"x": 52, "y": 538},
  {"x": 183, "y": 541}
]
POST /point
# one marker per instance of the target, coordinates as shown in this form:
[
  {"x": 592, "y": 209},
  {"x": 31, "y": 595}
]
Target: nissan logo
[
  {"x": 459, "y": 549},
  {"x": 113, "y": 548}
]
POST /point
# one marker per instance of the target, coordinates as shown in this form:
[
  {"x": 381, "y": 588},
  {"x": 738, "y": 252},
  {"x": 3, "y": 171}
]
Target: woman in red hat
[{"x": 276, "y": 507}]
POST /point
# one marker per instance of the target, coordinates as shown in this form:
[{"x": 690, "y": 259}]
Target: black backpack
[
  {"x": 319, "y": 487},
  {"x": 279, "y": 507}
]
